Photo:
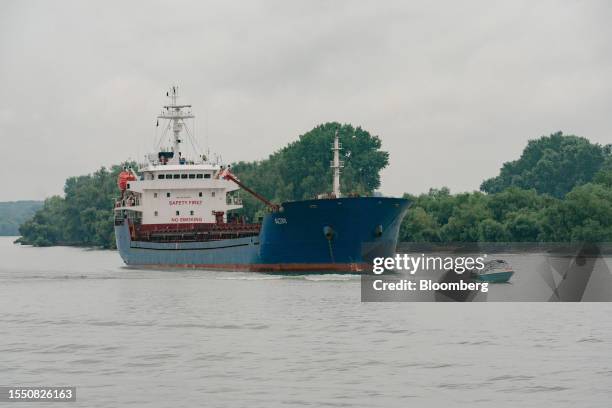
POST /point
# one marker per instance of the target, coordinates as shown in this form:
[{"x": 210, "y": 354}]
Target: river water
[{"x": 124, "y": 337}]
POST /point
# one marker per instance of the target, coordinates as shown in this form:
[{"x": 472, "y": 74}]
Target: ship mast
[
  {"x": 336, "y": 164},
  {"x": 177, "y": 115}
]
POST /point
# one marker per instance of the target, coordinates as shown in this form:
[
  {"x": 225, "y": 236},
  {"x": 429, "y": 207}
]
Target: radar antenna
[{"x": 176, "y": 114}]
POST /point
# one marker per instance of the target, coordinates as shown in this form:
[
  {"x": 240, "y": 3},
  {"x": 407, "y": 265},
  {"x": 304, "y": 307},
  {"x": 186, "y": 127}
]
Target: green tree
[
  {"x": 514, "y": 199},
  {"x": 14, "y": 213},
  {"x": 419, "y": 226},
  {"x": 83, "y": 216},
  {"x": 45, "y": 227},
  {"x": 463, "y": 225},
  {"x": 492, "y": 231},
  {"x": 301, "y": 169},
  {"x": 604, "y": 175},
  {"x": 523, "y": 226},
  {"x": 584, "y": 216},
  {"x": 551, "y": 165}
]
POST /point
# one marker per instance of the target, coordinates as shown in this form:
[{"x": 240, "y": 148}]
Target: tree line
[
  {"x": 559, "y": 190},
  {"x": 83, "y": 216},
  {"x": 14, "y": 213},
  {"x": 300, "y": 170}
]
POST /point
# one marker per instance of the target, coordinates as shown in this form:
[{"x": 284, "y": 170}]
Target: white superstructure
[{"x": 171, "y": 188}]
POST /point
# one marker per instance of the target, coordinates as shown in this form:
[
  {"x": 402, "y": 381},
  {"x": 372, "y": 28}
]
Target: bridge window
[
  {"x": 207, "y": 175},
  {"x": 183, "y": 176},
  {"x": 167, "y": 194},
  {"x": 178, "y": 213},
  {"x": 199, "y": 175},
  {"x": 168, "y": 176},
  {"x": 191, "y": 212},
  {"x": 161, "y": 176},
  {"x": 176, "y": 176},
  {"x": 200, "y": 194},
  {"x": 192, "y": 176}
]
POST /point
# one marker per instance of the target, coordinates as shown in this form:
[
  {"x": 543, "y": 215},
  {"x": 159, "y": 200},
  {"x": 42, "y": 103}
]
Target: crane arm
[{"x": 227, "y": 175}]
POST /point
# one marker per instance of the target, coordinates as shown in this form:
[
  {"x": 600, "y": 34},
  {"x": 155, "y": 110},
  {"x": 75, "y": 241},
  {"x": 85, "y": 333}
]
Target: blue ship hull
[{"x": 343, "y": 234}]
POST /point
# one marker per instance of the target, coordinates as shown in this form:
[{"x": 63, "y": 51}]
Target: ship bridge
[{"x": 171, "y": 188}]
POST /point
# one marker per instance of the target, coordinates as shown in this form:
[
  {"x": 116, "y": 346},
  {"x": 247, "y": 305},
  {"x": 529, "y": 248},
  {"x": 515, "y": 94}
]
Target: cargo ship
[{"x": 182, "y": 212}]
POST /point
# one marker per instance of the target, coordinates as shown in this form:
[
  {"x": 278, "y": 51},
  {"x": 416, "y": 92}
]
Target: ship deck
[{"x": 197, "y": 232}]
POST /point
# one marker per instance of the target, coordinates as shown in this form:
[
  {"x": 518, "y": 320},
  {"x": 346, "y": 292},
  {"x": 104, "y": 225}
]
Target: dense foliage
[
  {"x": 552, "y": 165},
  {"x": 83, "y": 216},
  {"x": 514, "y": 215},
  {"x": 14, "y": 213},
  {"x": 301, "y": 169},
  {"x": 560, "y": 190}
]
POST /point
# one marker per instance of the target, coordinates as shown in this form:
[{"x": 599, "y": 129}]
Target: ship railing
[
  {"x": 127, "y": 202},
  {"x": 123, "y": 216},
  {"x": 194, "y": 232},
  {"x": 234, "y": 201},
  {"x": 202, "y": 227}
]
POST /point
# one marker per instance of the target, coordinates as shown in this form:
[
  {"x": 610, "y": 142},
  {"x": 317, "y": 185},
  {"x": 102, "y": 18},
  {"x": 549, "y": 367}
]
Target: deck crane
[{"x": 228, "y": 175}]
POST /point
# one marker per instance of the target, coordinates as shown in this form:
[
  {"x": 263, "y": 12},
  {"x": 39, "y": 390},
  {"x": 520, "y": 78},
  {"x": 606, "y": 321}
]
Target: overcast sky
[{"x": 453, "y": 89}]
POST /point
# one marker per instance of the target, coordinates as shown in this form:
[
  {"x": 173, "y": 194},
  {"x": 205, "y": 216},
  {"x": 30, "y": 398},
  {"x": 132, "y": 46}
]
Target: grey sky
[{"x": 452, "y": 88}]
